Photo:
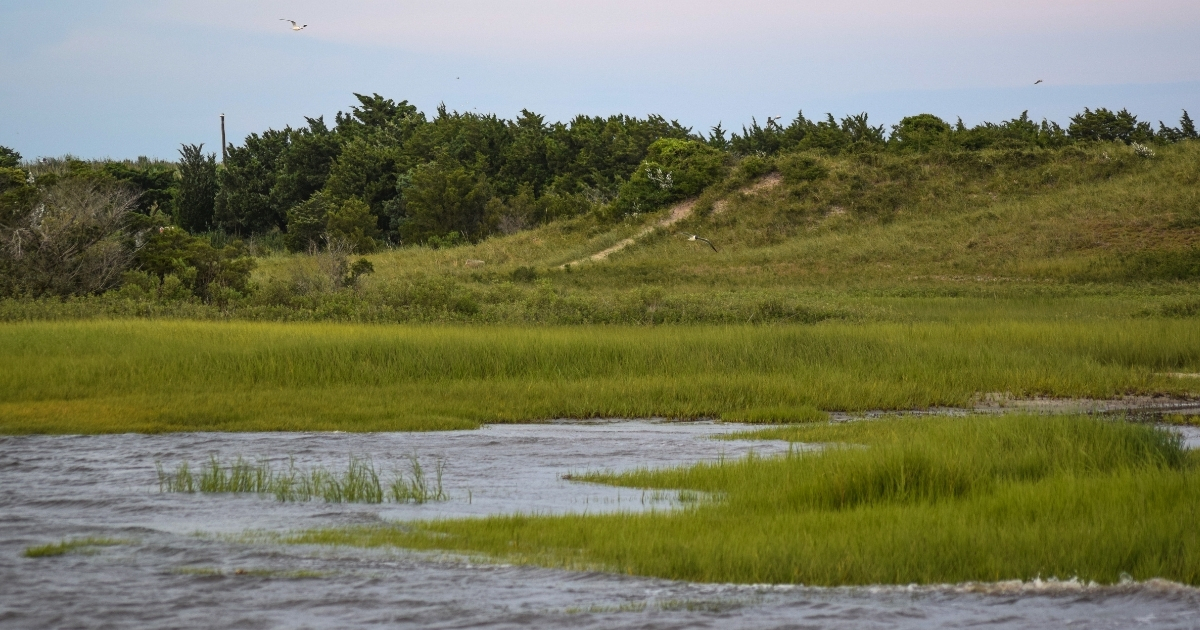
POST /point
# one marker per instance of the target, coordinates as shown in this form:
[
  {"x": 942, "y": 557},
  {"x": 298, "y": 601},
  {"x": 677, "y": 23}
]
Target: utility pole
[{"x": 223, "y": 154}]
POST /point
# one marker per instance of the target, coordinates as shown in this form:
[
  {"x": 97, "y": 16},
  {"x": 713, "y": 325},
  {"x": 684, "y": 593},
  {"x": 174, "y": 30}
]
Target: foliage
[
  {"x": 442, "y": 198},
  {"x": 919, "y": 133},
  {"x": 17, "y": 194},
  {"x": 1185, "y": 131},
  {"x": 673, "y": 169},
  {"x": 307, "y": 223},
  {"x": 75, "y": 240},
  {"x": 1106, "y": 126},
  {"x": 155, "y": 185},
  {"x": 802, "y": 167},
  {"x": 1020, "y": 132},
  {"x": 354, "y": 225},
  {"x": 244, "y": 204},
  {"x": 9, "y": 158},
  {"x": 208, "y": 273},
  {"x": 197, "y": 194},
  {"x": 853, "y": 133}
]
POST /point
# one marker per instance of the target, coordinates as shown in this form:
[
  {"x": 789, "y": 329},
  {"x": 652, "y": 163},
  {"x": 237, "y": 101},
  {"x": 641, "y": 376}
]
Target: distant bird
[
  {"x": 771, "y": 120},
  {"x": 694, "y": 237},
  {"x": 295, "y": 26},
  {"x": 1037, "y": 82}
]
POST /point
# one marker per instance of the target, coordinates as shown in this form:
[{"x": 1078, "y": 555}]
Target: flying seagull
[
  {"x": 701, "y": 238},
  {"x": 295, "y": 26},
  {"x": 1037, "y": 82}
]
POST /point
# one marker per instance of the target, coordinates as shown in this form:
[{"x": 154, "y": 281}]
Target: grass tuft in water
[
  {"x": 67, "y": 546},
  {"x": 360, "y": 483},
  {"x": 416, "y": 488}
]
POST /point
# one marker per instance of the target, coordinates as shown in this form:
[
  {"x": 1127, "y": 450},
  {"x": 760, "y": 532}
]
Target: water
[{"x": 180, "y": 566}]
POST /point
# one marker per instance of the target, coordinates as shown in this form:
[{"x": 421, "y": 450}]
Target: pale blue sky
[{"x": 123, "y": 78}]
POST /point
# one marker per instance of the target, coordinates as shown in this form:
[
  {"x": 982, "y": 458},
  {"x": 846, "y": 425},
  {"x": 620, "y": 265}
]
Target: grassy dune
[
  {"x": 926, "y": 501},
  {"x": 1093, "y": 225},
  {"x": 153, "y": 376}
]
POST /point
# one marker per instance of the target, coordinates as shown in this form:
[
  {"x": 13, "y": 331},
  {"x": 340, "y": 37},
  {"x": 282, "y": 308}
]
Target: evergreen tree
[
  {"x": 197, "y": 195},
  {"x": 9, "y": 158}
]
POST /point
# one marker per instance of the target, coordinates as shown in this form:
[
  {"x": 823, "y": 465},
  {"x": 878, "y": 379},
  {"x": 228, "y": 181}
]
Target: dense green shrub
[
  {"x": 354, "y": 225},
  {"x": 673, "y": 170},
  {"x": 1105, "y": 125},
  {"x": 306, "y": 223},
  {"x": 9, "y": 158},
  {"x": 207, "y": 272},
  {"x": 802, "y": 167},
  {"x": 445, "y": 197},
  {"x": 920, "y": 133}
]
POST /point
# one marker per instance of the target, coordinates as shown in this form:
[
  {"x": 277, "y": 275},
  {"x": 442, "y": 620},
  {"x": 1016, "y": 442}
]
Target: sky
[{"x": 124, "y": 78}]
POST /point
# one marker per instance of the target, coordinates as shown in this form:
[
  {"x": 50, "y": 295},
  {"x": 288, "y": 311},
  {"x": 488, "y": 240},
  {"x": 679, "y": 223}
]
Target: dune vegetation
[{"x": 894, "y": 501}]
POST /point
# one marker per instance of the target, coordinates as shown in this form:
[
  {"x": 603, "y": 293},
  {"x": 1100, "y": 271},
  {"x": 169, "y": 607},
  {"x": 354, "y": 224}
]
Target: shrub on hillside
[
  {"x": 207, "y": 272},
  {"x": 920, "y": 133},
  {"x": 445, "y": 197},
  {"x": 802, "y": 167},
  {"x": 316, "y": 223},
  {"x": 673, "y": 170},
  {"x": 354, "y": 225},
  {"x": 306, "y": 223}
]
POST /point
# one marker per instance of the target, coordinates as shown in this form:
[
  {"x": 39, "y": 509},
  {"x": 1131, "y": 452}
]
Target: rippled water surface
[{"x": 174, "y": 567}]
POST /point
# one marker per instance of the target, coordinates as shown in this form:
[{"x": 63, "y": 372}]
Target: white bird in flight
[
  {"x": 701, "y": 238},
  {"x": 295, "y": 26}
]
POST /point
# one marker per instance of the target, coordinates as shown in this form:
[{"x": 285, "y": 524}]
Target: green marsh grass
[
  {"x": 161, "y": 376},
  {"x": 359, "y": 483},
  {"x": 895, "y": 501},
  {"x": 64, "y": 547}
]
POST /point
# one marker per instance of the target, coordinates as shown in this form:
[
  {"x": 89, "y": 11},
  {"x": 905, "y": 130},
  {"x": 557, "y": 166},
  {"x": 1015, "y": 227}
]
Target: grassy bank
[
  {"x": 926, "y": 501},
  {"x": 152, "y": 376}
]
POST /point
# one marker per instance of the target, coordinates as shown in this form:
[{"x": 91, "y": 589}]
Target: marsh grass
[
  {"x": 1180, "y": 419},
  {"x": 300, "y": 574},
  {"x": 416, "y": 487},
  {"x": 895, "y": 501},
  {"x": 359, "y": 483},
  {"x": 64, "y": 547},
  {"x": 140, "y": 376}
]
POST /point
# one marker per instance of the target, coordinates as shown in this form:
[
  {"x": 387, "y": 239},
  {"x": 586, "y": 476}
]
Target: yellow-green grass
[
  {"x": 156, "y": 376},
  {"x": 900, "y": 501},
  {"x": 72, "y": 545}
]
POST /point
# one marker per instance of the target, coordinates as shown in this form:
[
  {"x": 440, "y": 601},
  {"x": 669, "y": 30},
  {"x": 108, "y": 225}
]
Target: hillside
[{"x": 1094, "y": 221}]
